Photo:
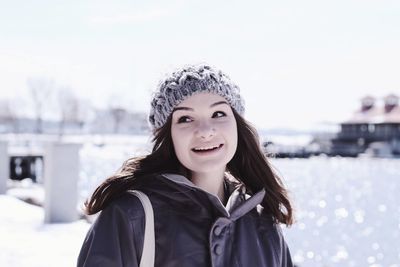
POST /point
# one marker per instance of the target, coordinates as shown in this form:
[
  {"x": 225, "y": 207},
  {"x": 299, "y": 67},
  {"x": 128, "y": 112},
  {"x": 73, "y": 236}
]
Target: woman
[{"x": 216, "y": 200}]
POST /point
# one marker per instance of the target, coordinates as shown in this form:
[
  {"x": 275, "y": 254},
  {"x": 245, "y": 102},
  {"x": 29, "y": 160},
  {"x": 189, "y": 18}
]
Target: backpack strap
[{"x": 148, "y": 253}]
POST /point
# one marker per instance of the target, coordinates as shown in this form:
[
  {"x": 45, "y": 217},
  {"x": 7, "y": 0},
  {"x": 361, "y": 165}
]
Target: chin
[{"x": 207, "y": 167}]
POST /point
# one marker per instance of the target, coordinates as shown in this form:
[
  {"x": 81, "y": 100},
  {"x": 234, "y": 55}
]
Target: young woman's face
[{"x": 204, "y": 133}]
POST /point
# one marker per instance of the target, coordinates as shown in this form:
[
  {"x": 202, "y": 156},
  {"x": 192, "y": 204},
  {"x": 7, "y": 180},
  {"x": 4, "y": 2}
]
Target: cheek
[
  {"x": 231, "y": 136},
  {"x": 179, "y": 142},
  {"x": 230, "y": 131}
]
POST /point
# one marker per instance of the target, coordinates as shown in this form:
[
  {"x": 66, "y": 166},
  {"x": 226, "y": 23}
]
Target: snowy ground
[
  {"x": 347, "y": 210},
  {"x": 26, "y": 241}
]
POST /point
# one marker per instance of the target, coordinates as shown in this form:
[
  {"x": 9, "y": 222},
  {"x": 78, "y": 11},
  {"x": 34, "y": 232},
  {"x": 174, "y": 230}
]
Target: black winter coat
[{"x": 192, "y": 229}]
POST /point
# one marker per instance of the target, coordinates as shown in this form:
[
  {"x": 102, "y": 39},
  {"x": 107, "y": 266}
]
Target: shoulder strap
[{"x": 148, "y": 254}]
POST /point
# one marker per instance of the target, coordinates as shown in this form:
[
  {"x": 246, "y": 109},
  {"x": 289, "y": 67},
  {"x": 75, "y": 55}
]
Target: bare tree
[
  {"x": 6, "y": 116},
  {"x": 117, "y": 110},
  {"x": 40, "y": 90},
  {"x": 72, "y": 109},
  {"x": 9, "y": 114},
  {"x": 118, "y": 114},
  {"x": 68, "y": 108}
]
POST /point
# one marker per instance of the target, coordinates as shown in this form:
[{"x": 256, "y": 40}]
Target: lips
[{"x": 205, "y": 149}]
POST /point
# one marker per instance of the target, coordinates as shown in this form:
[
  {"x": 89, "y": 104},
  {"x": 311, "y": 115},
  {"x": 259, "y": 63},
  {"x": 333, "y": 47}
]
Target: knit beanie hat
[{"x": 187, "y": 81}]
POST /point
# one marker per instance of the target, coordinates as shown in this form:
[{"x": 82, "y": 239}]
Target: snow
[
  {"x": 27, "y": 241},
  {"x": 347, "y": 211}
]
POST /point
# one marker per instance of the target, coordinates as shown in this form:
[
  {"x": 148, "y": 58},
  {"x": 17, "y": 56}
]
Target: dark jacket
[{"x": 192, "y": 228}]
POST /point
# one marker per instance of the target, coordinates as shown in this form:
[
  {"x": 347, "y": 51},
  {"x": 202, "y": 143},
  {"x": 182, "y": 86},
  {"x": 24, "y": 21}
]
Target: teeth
[{"x": 206, "y": 148}]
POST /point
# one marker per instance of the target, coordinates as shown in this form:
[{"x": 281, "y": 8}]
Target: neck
[{"x": 212, "y": 183}]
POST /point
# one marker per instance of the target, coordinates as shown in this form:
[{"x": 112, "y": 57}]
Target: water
[{"x": 347, "y": 210}]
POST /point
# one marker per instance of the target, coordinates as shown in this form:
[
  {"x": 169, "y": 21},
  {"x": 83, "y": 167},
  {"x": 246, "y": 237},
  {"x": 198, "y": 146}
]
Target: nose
[{"x": 205, "y": 130}]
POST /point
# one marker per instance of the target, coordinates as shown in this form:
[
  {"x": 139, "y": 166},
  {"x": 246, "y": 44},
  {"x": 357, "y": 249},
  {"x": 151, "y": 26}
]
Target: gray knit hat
[{"x": 187, "y": 81}]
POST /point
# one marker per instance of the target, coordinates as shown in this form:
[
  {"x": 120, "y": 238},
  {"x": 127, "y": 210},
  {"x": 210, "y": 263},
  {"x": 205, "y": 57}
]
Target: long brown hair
[{"x": 249, "y": 165}]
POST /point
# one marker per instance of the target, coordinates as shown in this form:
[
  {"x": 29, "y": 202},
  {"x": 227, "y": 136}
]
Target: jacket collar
[{"x": 239, "y": 203}]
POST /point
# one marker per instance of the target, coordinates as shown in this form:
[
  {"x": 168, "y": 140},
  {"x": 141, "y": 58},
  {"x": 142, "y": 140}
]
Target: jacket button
[
  {"x": 218, "y": 250},
  {"x": 217, "y": 230}
]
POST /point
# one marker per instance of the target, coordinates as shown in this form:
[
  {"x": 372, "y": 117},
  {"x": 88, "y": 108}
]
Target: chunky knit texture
[{"x": 187, "y": 81}]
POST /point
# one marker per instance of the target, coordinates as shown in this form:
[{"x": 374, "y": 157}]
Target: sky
[{"x": 298, "y": 63}]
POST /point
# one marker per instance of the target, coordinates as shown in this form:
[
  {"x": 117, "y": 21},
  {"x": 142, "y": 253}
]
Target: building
[{"x": 374, "y": 126}]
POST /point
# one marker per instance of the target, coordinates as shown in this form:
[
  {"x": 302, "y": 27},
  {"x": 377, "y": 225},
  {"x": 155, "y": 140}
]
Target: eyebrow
[{"x": 190, "y": 109}]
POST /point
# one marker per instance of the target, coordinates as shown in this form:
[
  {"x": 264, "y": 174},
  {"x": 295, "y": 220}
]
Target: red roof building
[
  {"x": 373, "y": 122},
  {"x": 370, "y": 112}
]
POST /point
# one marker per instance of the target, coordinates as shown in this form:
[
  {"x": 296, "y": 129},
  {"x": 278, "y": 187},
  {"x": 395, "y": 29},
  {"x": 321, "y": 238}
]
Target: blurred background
[{"x": 321, "y": 84}]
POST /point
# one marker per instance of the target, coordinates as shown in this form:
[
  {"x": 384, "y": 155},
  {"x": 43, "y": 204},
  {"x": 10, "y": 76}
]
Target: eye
[
  {"x": 184, "y": 119},
  {"x": 218, "y": 114}
]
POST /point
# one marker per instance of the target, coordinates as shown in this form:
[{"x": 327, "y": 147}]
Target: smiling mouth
[{"x": 206, "y": 149}]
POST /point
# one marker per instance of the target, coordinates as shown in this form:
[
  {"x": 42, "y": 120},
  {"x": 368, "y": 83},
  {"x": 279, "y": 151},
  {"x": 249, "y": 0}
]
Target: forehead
[{"x": 201, "y": 99}]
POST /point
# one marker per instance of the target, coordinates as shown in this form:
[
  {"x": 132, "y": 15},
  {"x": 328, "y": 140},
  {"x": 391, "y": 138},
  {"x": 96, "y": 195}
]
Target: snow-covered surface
[
  {"x": 26, "y": 241},
  {"x": 347, "y": 210},
  {"x": 28, "y": 191},
  {"x": 295, "y": 140}
]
